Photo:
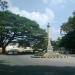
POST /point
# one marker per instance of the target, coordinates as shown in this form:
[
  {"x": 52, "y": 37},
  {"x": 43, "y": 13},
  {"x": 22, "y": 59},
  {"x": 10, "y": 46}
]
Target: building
[{"x": 19, "y": 49}]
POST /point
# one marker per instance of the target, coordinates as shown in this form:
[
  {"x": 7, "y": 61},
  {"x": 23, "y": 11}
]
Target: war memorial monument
[{"x": 50, "y": 53}]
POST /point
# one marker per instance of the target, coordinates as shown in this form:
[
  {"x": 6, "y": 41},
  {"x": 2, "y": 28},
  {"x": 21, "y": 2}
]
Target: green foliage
[
  {"x": 69, "y": 25},
  {"x": 56, "y": 44},
  {"x": 15, "y": 28},
  {"x": 68, "y": 40},
  {"x": 18, "y": 28},
  {"x": 40, "y": 42}
]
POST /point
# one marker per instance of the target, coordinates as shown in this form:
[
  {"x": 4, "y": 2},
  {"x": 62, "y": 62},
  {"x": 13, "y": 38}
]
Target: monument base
[
  {"x": 51, "y": 54},
  {"x": 49, "y": 51}
]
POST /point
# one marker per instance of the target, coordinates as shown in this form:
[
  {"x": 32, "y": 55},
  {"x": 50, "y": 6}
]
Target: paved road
[
  {"x": 28, "y": 60},
  {"x": 25, "y": 65}
]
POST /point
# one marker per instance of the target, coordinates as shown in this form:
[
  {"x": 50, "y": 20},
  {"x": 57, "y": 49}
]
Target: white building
[{"x": 20, "y": 49}]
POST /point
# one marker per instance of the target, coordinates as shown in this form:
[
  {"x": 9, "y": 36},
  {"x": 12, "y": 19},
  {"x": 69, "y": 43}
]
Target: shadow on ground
[{"x": 35, "y": 70}]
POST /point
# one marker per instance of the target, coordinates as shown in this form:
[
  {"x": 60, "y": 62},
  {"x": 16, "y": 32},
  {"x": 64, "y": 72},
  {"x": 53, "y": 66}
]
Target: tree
[
  {"x": 14, "y": 28},
  {"x": 69, "y": 25},
  {"x": 56, "y": 44},
  {"x": 17, "y": 29},
  {"x": 68, "y": 40},
  {"x": 40, "y": 42}
]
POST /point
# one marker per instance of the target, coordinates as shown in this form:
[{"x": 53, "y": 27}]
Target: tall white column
[
  {"x": 50, "y": 53},
  {"x": 49, "y": 46}
]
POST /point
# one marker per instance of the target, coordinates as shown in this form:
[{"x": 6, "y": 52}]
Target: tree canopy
[
  {"x": 68, "y": 40},
  {"x": 18, "y": 28},
  {"x": 69, "y": 25}
]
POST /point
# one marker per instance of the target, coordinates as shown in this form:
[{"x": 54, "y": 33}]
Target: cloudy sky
[{"x": 43, "y": 11}]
